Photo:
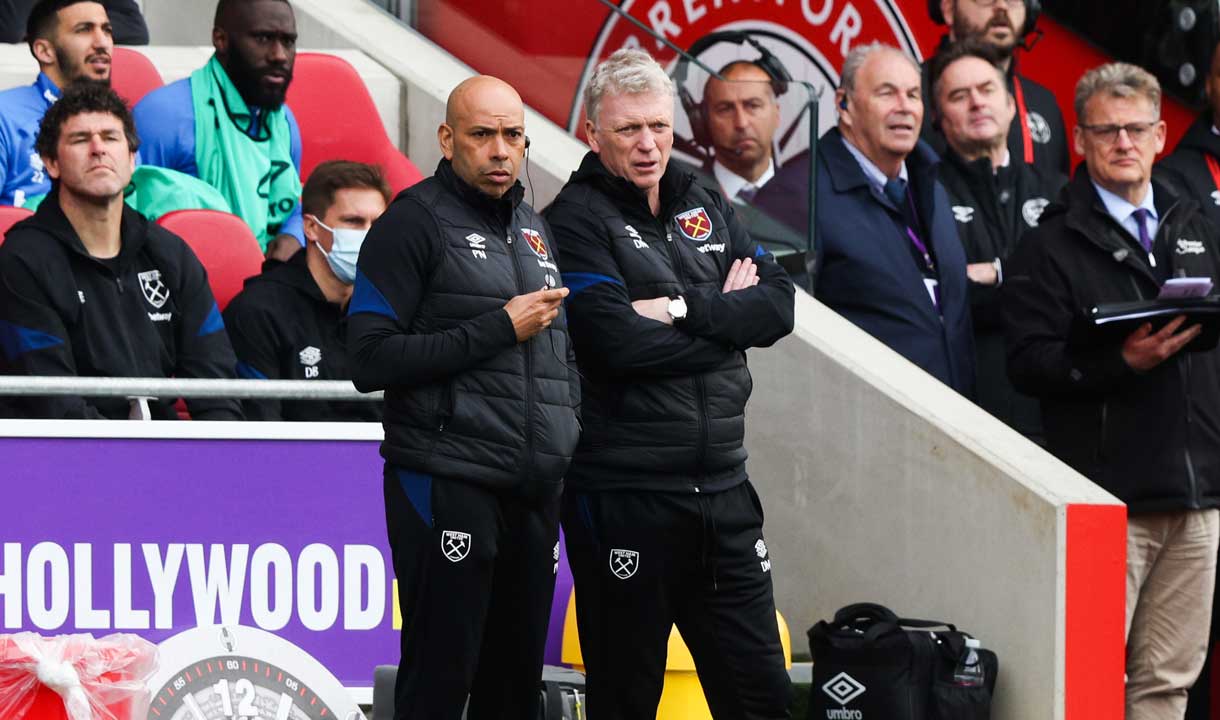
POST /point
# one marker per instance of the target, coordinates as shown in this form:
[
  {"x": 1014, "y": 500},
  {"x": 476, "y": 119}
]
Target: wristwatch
[{"x": 676, "y": 308}]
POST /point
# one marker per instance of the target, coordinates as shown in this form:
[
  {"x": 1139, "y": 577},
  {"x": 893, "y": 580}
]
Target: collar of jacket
[
  {"x": 1199, "y": 136},
  {"x": 500, "y": 209},
  {"x": 675, "y": 183},
  {"x": 979, "y": 170},
  {"x": 50, "y": 218},
  {"x": 293, "y": 273},
  {"x": 846, "y": 174},
  {"x": 1087, "y": 215}
]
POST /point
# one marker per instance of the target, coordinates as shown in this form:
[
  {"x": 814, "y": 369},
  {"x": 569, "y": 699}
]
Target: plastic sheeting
[{"x": 75, "y": 677}]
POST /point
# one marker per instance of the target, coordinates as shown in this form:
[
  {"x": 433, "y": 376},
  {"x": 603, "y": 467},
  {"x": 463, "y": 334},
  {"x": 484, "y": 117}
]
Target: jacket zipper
[
  {"x": 529, "y": 364},
  {"x": 1183, "y": 367},
  {"x": 700, "y": 391}
]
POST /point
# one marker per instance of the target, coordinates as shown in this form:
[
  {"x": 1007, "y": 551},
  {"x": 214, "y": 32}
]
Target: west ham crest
[
  {"x": 533, "y": 238},
  {"x": 455, "y": 545},
  {"x": 624, "y": 563},
  {"x": 154, "y": 290},
  {"x": 695, "y": 224}
]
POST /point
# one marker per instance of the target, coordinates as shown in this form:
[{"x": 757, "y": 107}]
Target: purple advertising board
[{"x": 275, "y": 526}]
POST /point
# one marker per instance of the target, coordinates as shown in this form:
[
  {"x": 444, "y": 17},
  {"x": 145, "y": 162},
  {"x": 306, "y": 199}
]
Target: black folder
[{"x": 1109, "y": 323}]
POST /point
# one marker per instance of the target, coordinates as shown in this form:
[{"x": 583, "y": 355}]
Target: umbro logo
[
  {"x": 843, "y": 688},
  {"x": 962, "y": 213},
  {"x": 310, "y": 357},
  {"x": 478, "y": 245}
]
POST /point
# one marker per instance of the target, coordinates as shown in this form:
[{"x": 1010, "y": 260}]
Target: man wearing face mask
[
  {"x": 227, "y": 124},
  {"x": 457, "y": 314},
  {"x": 288, "y": 322}
]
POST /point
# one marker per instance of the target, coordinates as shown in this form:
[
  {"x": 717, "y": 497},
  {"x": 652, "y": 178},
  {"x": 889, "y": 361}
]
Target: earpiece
[
  {"x": 843, "y": 102},
  {"x": 527, "y": 142}
]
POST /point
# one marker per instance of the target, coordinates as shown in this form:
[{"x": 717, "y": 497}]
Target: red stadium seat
[
  {"x": 339, "y": 120},
  {"x": 223, "y": 243},
  {"x": 10, "y": 216},
  {"x": 132, "y": 75}
]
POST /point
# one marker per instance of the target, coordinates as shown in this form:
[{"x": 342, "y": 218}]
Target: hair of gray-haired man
[
  {"x": 859, "y": 55},
  {"x": 628, "y": 70},
  {"x": 1119, "y": 80}
]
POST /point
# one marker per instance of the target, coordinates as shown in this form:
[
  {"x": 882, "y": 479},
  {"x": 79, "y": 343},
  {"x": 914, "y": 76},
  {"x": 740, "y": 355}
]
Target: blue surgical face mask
[{"x": 344, "y": 251}]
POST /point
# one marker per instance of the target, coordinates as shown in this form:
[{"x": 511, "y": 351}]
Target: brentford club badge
[
  {"x": 533, "y": 238},
  {"x": 695, "y": 224}
]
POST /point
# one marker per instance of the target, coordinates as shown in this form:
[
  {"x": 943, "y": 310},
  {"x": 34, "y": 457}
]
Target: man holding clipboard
[{"x": 1139, "y": 414}]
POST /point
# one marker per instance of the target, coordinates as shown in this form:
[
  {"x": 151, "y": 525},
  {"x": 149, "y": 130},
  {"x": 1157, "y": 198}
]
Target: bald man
[
  {"x": 457, "y": 314},
  {"x": 742, "y": 114}
]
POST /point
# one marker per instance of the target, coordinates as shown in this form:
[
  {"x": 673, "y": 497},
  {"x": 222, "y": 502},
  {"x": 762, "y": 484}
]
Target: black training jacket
[
  {"x": 1186, "y": 168},
  {"x": 283, "y": 328},
  {"x": 992, "y": 210},
  {"x": 146, "y": 313},
  {"x": 1152, "y": 439},
  {"x": 426, "y": 323},
  {"x": 664, "y": 407},
  {"x": 1044, "y": 126}
]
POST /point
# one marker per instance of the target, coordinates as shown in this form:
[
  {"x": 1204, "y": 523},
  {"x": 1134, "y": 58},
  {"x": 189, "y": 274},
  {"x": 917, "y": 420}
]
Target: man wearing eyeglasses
[
  {"x": 1139, "y": 417},
  {"x": 1038, "y": 135}
]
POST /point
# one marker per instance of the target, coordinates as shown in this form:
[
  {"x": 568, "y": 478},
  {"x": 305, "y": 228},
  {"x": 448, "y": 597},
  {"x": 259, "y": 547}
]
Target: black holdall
[{"x": 870, "y": 664}]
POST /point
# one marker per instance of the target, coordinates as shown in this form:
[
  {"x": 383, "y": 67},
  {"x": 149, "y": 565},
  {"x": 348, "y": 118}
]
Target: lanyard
[
  {"x": 915, "y": 239},
  {"x": 1027, "y": 141}
]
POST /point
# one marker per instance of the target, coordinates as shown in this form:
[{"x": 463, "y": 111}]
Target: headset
[
  {"x": 767, "y": 62},
  {"x": 1033, "y": 8}
]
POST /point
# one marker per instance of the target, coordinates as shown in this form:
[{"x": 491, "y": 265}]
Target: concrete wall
[{"x": 880, "y": 484}]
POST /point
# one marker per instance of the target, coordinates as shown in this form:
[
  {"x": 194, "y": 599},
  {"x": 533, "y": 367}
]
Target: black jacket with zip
[
  {"x": 464, "y": 400},
  {"x": 283, "y": 328},
  {"x": 1186, "y": 168},
  {"x": 1151, "y": 438},
  {"x": 146, "y": 313},
  {"x": 993, "y": 208},
  {"x": 664, "y": 406}
]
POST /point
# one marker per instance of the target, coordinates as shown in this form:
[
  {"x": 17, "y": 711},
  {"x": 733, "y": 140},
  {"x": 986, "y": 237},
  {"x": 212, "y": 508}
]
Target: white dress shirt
[{"x": 732, "y": 183}]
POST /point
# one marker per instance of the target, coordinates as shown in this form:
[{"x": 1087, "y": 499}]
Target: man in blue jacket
[
  {"x": 889, "y": 258},
  {"x": 228, "y": 125},
  {"x": 71, "y": 41}
]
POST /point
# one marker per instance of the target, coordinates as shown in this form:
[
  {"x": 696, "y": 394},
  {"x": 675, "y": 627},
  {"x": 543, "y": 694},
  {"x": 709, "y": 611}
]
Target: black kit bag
[{"x": 870, "y": 664}]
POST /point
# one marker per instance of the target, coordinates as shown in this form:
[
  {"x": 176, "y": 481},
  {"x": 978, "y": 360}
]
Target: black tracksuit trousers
[
  {"x": 644, "y": 561},
  {"x": 476, "y": 575}
]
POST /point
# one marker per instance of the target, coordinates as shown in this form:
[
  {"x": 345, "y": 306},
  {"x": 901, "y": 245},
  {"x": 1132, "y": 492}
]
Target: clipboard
[{"x": 1109, "y": 323}]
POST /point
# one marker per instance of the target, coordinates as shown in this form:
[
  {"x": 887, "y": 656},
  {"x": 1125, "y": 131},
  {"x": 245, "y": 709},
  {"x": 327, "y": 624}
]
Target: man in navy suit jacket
[{"x": 889, "y": 258}]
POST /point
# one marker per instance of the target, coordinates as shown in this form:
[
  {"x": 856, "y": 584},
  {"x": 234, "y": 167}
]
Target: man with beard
[
  {"x": 227, "y": 123},
  {"x": 71, "y": 40},
  {"x": 1040, "y": 137},
  {"x": 125, "y": 17},
  {"x": 994, "y": 201},
  {"x": 742, "y": 115}
]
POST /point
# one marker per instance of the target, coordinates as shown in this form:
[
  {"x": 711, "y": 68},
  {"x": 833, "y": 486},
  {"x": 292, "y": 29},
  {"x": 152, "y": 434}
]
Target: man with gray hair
[
  {"x": 1139, "y": 416},
  {"x": 889, "y": 259},
  {"x": 662, "y": 525}
]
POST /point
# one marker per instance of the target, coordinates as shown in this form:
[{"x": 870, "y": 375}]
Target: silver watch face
[{"x": 677, "y": 308}]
